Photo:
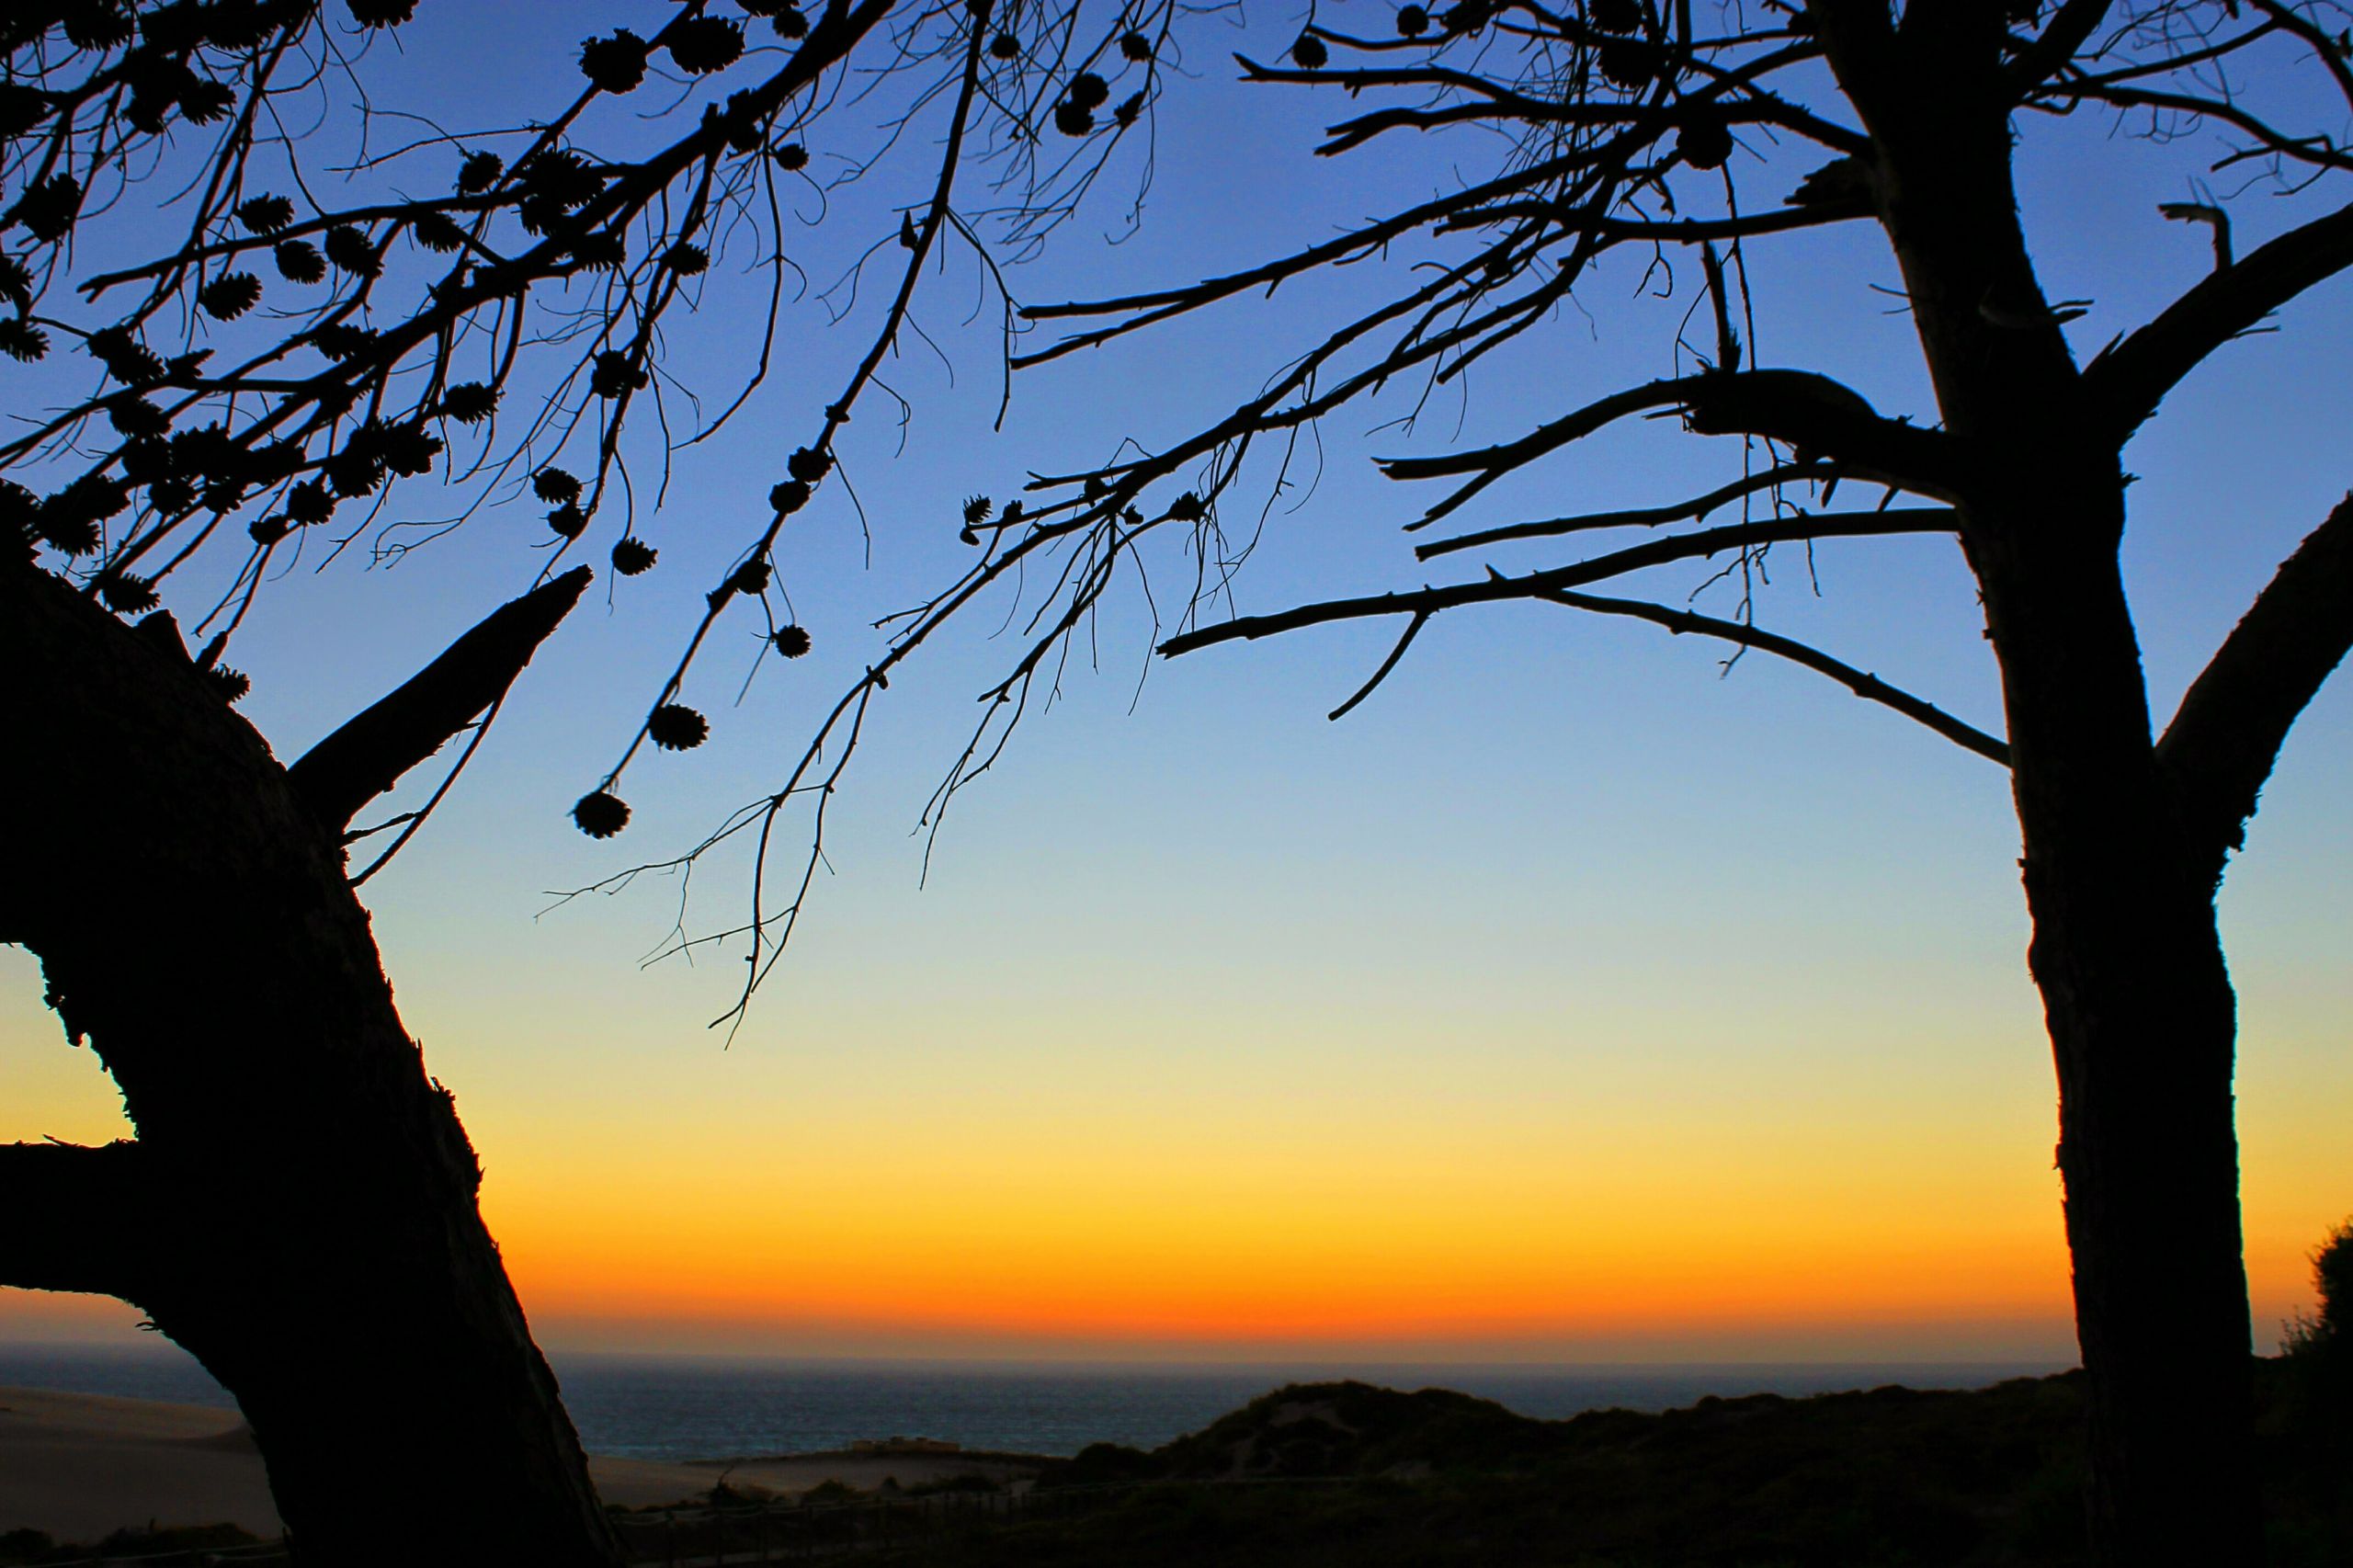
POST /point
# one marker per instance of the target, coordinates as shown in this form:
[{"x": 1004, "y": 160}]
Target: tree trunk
[
  {"x": 2125, "y": 950},
  {"x": 2142, "y": 1018},
  {"x": 298, "y": 1209}
]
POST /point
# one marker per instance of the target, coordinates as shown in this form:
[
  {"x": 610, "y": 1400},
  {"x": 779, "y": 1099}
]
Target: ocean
[{"x": 679, "y": 1407}]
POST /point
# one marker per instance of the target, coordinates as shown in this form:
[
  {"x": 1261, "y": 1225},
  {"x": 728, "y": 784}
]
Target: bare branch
[
  {"x": 2205, "y": 212},
  {"x": 1160, "y": 303},
  {"x": 1699, "y": 506},
  {"x": 1574, "y": 220},
  {"x": 1812, "y": 413},
  {"x": 2125, "y": 384},
  {"x": 2317, "y": 150},
  {"x": 2070, "y": 27},
  {"x": 2225, "y": 739},
  {"x": 1496, "y": 588},
  {"x": 1968, "y": 736},
  {"x": 368, "y": 754},
  {"x": 1413, "y": 629}
]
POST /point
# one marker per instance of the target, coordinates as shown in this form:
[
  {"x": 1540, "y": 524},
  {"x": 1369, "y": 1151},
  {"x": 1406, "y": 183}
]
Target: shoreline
[{"x": 77, "y": 1467}]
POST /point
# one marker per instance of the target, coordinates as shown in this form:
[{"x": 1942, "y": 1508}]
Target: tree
[
  {"x": 299, "y": 1207},
  {"x": 1650, "y": 128}
]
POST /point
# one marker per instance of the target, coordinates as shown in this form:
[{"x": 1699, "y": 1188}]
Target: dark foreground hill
[{"x": 1346, "y": 1476}]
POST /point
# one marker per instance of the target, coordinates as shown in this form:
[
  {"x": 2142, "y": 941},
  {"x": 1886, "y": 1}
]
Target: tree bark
[
  {"x": 2129, "y": 965},
  {"x": 298, "y": 1209}
]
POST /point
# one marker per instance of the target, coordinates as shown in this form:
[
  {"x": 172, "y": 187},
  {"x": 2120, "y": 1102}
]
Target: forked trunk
[
  {"x": 2126, "y": 957},
  {"x": 299, "y": 1209}
]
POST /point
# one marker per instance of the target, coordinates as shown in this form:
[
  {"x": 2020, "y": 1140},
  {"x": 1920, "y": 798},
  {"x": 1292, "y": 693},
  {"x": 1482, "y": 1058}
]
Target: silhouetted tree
[
  {"x": 229, "y": 354},
  {"x": 1648, "y": 126}
]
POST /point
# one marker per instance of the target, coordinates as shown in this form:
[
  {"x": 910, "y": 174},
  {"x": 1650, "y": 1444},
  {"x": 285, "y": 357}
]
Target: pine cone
[
  {"x": 230, "y": 295},
  {"x": 299, "y": 261},
  {"x": 1705, "y": 140},
  {"x": 469, "y": 403},
  {"x": 612, "y": 375},
  {"x": 265, "y": 214},
  {"x": 675, "y": 727},
  {"x": 381, "y": 13},
  {"x": 347, "y": 246},
  {"x": 699, "y": 45},
  {"x": 22, "y": 341},
  {"x": 615, "y": 64},
  {"x": 600, "y": 815},
  {"x": 438, "y": 232},
  {"x": 479, "y": 173}
]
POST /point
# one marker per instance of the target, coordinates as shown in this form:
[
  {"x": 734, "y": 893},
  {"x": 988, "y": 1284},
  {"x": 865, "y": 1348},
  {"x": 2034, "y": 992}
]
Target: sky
[{"x": 1574, "y": 999}]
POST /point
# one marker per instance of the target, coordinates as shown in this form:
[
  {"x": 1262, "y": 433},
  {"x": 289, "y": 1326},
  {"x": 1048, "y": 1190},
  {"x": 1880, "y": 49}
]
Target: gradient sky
[{"x": 1569, "y": 1000}]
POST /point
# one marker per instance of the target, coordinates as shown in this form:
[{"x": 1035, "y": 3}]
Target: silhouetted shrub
[
  {"x": 25, "y": 1546},
  {"x": 2327, "y": 1331},
  {"x": 22, "y": 1548},
  {"x": 1100, "y": 1463}
]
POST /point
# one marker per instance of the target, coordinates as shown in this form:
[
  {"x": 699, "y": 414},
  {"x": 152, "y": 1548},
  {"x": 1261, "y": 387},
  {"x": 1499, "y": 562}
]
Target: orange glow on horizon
[{"x": 1598, "y": 1209}]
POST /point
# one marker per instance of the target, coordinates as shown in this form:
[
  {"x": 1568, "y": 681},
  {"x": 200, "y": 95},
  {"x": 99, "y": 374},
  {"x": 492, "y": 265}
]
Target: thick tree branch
[
  {"x": 2125, "y": 385},
  {"x": 367, "y": 755},
  {"x": 2222, "y": 742},
  {"x": 1812, "y": 413},
  {"x": 73, "y": 1217},
  {"x": 2070, "y": 27},
  {"x": 1823, "y": 417},
  {"x": 1496, "y": 588},
  {"x": 1968, "y": 736}
]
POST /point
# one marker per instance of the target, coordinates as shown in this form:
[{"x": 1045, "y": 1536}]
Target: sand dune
[{"x": 79, "y": 1466}]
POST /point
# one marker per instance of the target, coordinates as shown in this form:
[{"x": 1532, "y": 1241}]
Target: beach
[{"x": 77, "y": 1466}]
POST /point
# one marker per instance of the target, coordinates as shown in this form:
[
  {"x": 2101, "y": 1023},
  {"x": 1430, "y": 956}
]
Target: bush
[
  {"x": 2333, "y": 1279},
  {"x": 25, "y": 1546}
]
